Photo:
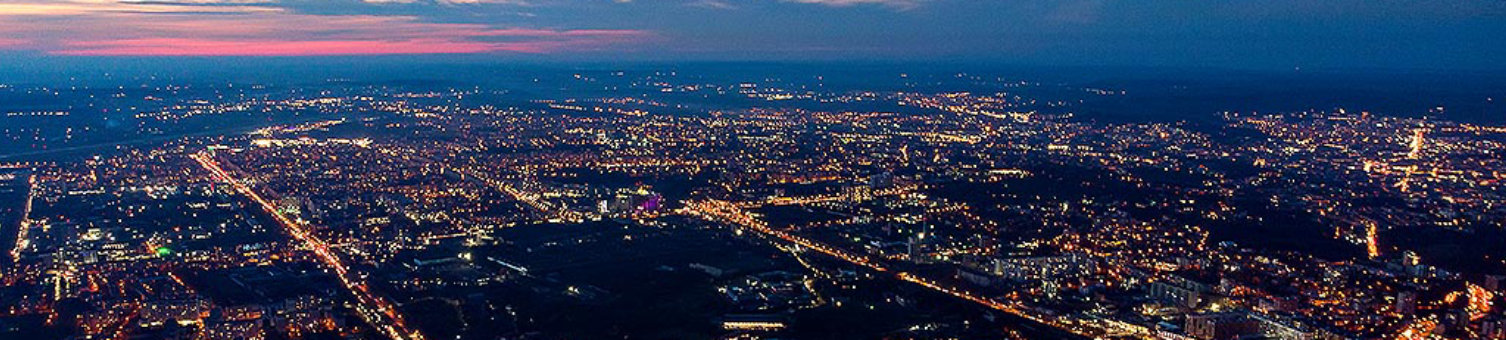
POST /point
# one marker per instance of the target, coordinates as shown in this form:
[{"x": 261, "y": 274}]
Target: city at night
[{"x": 752, "y": 169}]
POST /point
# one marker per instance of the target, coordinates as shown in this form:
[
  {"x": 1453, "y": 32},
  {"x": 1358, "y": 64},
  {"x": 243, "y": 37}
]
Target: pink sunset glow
[
  {"x": 192, "y": 47},
  {"x": 104, "y": 28}
]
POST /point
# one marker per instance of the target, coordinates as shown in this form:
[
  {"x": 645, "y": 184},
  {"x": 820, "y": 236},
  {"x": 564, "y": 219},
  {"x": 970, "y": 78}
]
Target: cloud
[
  {"x": 712, "y": 4},
  {"x": 498, "y": 2},
  {"x": 898, "y": 4},
  {"x": 247, "y": 27},
  {"x": 203, "y": 47},
  {"x": 81, "y": 7},
  {"x": 521, "y": 41},
  {"x": 453, "y": 2},
  {"x": 198, "y": 2}
]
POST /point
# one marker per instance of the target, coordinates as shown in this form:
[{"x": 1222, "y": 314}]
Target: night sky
[{"x": 1276, "y": 34}]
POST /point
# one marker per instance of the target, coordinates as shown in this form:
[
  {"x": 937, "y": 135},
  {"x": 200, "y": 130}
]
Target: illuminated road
[
  {"x": 723, "y": 211},
  {"x": 21, "y": 229},
  {"x": 532, "y": 200},
  {"x": 374, "y": 309},
  {"x": 843, "y": 197},
  {"x": 729, "y": 212}
]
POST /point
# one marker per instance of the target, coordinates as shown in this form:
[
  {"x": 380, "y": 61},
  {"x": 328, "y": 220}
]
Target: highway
[
  {"x": 532, "y": 200},
  {"x": 17, "y": 241},
  {"x": 729, "y": 212},
  {"x": 377, "y": 311}
]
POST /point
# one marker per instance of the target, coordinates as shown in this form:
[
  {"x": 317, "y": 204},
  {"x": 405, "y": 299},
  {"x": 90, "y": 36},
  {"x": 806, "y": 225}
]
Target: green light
[{"x": 163, "y": 251}]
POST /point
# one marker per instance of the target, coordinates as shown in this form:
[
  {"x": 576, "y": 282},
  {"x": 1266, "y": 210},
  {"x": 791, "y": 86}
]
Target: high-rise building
[
  {"x": 1220, "y": 326},
  {"x": 1175, "y": 294},
  {"x": 1406, "y": 303},
  {"x": 1493, "y": 329},
  {"x": 1493, "y": 283},
  {"x": 1410, "y": 259},
  {"x": 1058, "y": 266}
]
